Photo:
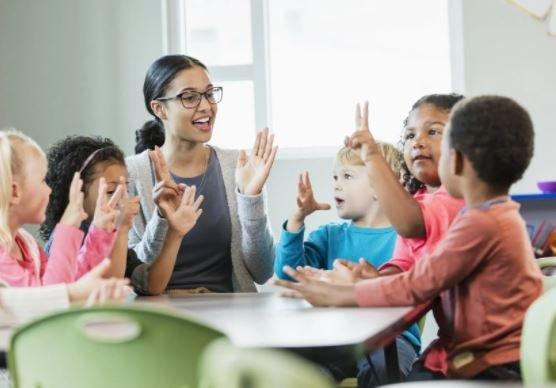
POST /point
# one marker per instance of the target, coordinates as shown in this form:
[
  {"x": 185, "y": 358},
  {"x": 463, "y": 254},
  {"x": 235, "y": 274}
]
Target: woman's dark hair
[
  {"x": 64, "y": 159},
  {"x": 443, "y": 102},
  {"x": 159, "y": 75},
  {"x": 496, "y": 135}
]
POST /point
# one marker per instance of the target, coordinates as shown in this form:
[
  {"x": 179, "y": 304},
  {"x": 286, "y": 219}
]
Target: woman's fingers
[
  {"x": 268, "y": 148},
  {"x": 257, "y": 144},
  {"x": 262, "y": 143}
]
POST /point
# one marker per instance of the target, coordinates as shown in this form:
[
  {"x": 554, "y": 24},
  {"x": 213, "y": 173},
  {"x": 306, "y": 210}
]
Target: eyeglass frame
[{"x": 204, "y": 94}]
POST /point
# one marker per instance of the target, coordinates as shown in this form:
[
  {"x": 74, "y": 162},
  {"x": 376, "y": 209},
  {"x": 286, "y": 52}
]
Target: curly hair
[
  {"x": 64, "y": 159},
  {"x": 444, "y": 102},
  {"x": 496, "y": 134}
]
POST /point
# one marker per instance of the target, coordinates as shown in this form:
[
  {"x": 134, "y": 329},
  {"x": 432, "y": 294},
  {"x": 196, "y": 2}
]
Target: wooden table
[{"x": 268, "y": 320}]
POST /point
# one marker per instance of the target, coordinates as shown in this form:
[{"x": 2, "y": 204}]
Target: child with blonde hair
[
  {"x": 24, "y": 196},
  {"x": 368, "y": 236}
]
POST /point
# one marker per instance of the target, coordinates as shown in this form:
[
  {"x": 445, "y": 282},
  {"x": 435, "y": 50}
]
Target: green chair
[
  {"x": 538, "y": 342},
  {"x": 225, "y": 366},
  {"x": 548, "y": 267},
  {"x": 109, "y": 346}
]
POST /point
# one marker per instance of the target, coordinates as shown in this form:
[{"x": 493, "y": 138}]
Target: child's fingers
[
  {"x": 294, "y": 274},
  {"x": 323, "y": 206},
  {"x": 288, "y": 284},
  {"x": 291, "y": 294},
  {"x": 116, "y": 197},
  {"x": 101, "y": 199},
  {"x": 357, "y": 116},
  {"x": 365, "y": 116},
  {"x": 123, "y": 183}
]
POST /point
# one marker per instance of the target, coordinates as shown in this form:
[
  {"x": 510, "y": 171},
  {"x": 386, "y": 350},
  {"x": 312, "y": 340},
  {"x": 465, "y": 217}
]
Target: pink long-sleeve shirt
[
  {"x": 439, "y": 210},
  {"x": 67, "y": 262},
  {"x": 485, "y": 276}
]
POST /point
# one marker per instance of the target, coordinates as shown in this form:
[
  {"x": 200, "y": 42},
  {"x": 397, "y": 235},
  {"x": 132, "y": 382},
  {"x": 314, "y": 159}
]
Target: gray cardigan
[{"x": 252, "y": 244}]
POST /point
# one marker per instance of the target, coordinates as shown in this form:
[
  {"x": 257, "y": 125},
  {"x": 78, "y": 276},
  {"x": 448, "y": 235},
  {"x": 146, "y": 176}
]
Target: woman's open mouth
[{"x": 203, "y": 124}]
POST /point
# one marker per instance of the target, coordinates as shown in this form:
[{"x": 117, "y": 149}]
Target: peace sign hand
[
  {"x": 107, "y": 211},
  {"x": 130, "y": 207},
  {"x": 74, "y": 213},
  {"x": 252, "y": 172},
  {"x": 166, "y": 193},
  {"x": 362, "y": 139}
]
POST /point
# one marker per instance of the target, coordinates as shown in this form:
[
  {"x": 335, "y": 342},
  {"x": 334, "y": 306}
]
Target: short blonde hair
[
  {"x": 11, "y": 164},
  {"x": 350, "y": 157}
]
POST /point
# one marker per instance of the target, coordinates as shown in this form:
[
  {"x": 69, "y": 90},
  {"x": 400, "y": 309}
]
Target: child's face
[
  {"x": 35, "y": 193},
  {"x": 112, "y": 172},
  {"x": 446, "y": 166},
  {"x": 421, "y": 142},
  {"x": 184, "y": 123},
  {"x": 353, "y": 193}
]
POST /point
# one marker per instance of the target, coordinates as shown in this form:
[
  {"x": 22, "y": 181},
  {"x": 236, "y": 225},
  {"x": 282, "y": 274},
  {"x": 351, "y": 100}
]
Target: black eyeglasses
[{"x": 191, "y": 99}]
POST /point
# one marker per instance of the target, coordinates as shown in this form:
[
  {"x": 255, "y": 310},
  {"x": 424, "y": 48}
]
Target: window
[{"x": 299, "y": 66}]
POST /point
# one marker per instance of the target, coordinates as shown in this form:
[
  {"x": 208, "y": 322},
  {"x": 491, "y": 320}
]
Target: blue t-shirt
[{"x": 338, "y": 241}]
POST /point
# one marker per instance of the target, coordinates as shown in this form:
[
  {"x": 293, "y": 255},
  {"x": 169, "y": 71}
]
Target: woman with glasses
[{"x": 231, "y": 247}]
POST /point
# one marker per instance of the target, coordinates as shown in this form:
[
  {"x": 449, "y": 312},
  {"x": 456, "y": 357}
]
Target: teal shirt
[{"x": 338, "y": 241}]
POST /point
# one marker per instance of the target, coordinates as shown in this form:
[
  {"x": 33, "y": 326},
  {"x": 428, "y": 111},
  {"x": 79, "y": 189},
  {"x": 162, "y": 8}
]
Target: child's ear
[
  {"x": 456, "y": 162},
  {"x": 159, "y": 109},
  {"x": 15, "y": 198}
]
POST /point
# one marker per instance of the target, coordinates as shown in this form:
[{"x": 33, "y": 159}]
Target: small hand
[
  {"x": 317, "y": 292},
  {"x": 306, "y": 202},
  {"x": 362, "y": 139},
  {"x": 252, "y": 173},
  {"x": 362, "y": 269},
  {"x": 183, "y": 218},
  {"x": 95, "y": 288},
  {"x": 129, "y": 209},
  {"x": 74, "y": 214},
  {"x": 107, "y": 211}
]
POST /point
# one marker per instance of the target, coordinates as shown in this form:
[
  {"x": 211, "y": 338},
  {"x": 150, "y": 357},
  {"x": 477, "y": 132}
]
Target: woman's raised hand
[
  {"x": 252, "y": 172},
  {"x": 166, "y": 193}
]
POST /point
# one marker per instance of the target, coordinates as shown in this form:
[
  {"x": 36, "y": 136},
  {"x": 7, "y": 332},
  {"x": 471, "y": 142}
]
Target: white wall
[{"x": 76, "y": 66}]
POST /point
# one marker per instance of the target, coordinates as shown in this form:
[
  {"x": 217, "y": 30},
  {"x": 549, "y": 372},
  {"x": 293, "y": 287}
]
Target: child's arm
[
  {"x": 66, "y": 240},
  {"x": 180, "y": 220},
  {"x": 401, "y": 209},
  {"x": 100, "y": 238},
  {"x": 119, "y": 254}
]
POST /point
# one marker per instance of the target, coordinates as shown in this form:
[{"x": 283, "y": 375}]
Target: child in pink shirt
[
  {"x": 483, "y": 271},
  {"x": 23, "y": 199}
]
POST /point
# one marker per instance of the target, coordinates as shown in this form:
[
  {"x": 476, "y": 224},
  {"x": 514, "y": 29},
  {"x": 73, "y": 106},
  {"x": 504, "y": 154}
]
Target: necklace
[{"x": 205, "y": 169}]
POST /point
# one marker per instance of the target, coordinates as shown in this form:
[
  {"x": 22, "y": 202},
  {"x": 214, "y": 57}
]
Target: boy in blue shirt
[{"x": 367, "y": 235}]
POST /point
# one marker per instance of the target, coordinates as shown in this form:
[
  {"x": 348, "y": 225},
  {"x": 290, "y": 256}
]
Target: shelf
[{"x": 534, "y": 197}]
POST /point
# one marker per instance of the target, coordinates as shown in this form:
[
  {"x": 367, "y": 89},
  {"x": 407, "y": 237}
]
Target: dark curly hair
[
  {"x": 159, "y": 75},
  {"x": 496, "y": 134},
  {"x": 443, "y": 102},
  {"x": 64, "y": 159}
]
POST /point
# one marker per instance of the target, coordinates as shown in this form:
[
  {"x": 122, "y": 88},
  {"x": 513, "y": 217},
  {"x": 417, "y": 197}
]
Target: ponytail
[{"x": 151, "y": 134}]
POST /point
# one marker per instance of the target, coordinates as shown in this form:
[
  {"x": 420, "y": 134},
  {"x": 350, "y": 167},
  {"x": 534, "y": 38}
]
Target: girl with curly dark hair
[{"x": 100, "y": 159}]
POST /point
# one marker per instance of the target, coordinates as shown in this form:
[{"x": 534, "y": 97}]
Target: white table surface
[{"x": 268, "y": 320}]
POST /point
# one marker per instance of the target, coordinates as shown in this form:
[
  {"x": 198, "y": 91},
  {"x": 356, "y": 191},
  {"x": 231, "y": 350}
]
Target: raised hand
[
  {"x": 183, "y": 218},
  {"x": 165, "y": 189},
  {"x": 129, "y": 208},
  {"x": 107, "y": 211},
  {"x": 362, "y": 139},
  {"x": 74, "y": 214},
  {"x": 306, "y": 202},
  {"x": 252, "y": 172}
]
